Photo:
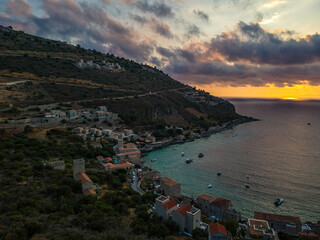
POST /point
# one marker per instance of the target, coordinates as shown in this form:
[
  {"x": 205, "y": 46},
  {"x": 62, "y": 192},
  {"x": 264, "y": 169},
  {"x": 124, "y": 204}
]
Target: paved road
[{"x": 135, "y": 185}]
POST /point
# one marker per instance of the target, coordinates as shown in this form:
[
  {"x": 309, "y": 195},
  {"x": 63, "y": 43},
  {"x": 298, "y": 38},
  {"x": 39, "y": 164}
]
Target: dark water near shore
[{"x": 281, "y": 154}]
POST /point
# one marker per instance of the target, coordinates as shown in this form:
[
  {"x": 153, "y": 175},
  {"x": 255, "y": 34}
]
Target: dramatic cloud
[
  {"x": 158, "y": 9},
  {"x": 249, "y": 55},
  {"x": 193, "y": 30},
  {"x": 19, "y": 8},
  {"x": 201, "y": 15},
  {"x": 162, "y": 28},
  {"x": 93, "y": 27}
]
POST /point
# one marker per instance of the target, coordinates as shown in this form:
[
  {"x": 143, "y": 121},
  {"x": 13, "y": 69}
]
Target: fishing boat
[
  {"x": 210, "y": 186},
  {"x": 278, "y": 202},
  {"x": 219, "y": 173}
]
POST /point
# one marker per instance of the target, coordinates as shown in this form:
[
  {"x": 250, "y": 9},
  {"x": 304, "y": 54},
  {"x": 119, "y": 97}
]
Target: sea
[{"x": 278, "y": 156}]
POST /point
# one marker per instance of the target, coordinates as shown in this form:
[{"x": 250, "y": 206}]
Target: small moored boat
[
  {"x": 182, "y": 154},
  {"x": 247, "y": 185},
  {"x": 210, "y": 186},
  {"x": 153, "y": 160},
  {"x": 200, "y": 155},
  {"x": 219, "y": 173},
  {"x": 189, "y": 160},
  {"x": 278, "y": 202}
]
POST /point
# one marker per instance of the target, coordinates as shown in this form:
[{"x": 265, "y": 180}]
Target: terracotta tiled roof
[
  {"x": 220, "y": 202},
  {"x": 215, "y": 228},
  {"x": 277, "y": 217},
  {"x": 261, "y": 224},
  {"x": 183, "y": 210},
  {"x": 89, "y": 191},
  {"x": 170, "y": 204},
  {"x": 206, "y": 197},
  {"x": 118, "y": 166},
  {"x": 83, "y": 178},
  {"x": 168, "y": 181}
]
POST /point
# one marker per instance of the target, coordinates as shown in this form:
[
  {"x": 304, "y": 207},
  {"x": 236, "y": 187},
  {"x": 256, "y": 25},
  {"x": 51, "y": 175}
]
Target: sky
[{"x": 231, "y": 48}]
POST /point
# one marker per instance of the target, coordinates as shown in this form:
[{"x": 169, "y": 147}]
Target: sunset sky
[{"x": 231, "y": 48}]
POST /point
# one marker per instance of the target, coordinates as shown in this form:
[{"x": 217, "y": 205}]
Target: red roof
[
  {"x": 183, "y": 210},
  {"x": 83, "y": 178},
  {"x": 215, "y": 228},
  {"x": 273, "y": 217},
  {"x": 220, "y": 202},
  {"x": 170, "y": 204},
  {"x": 309, "y": 235}
]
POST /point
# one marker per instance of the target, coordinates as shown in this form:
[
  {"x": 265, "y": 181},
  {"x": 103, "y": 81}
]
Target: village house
[
  {"x": 100, "y": 114},
  {"x": 220, "y": 208},
  {"x": 164, "y": 206},
  {"x": 187, "y": 218},
  {"x": 205, "y": 201},
  {"x": 80, "y": 175},
  {"x": 170, "y": 187},
  {"x": 287, "y": 224},
  {"x": 59, "y": 113},
  {"x": 102, "y": 108},
  {"x": 260, "y": 229},
  {"x": 217, "y": 232},
  {"x": 111, "y": 167},
  {"x": 72, "y": 113}
]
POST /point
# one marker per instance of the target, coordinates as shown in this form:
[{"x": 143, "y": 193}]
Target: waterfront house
[
  {"x": 260, "y": 229},
  {"x": 219, "y": 207},
  {"x": 187, "y": 218},
  {"x": 170, "y": 187},
  {"x": 164, "y": 206},
  {"x": 217, "y": 232},
  {"x": 205, "y": 201},
  {"x": 287, "y": 224}
]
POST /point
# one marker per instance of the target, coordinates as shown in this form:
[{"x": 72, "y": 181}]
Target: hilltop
[{"x": 36, "y": 71}]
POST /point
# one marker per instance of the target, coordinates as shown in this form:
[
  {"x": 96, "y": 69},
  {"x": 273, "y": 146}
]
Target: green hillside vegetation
[{"x": 39, "y": 201}]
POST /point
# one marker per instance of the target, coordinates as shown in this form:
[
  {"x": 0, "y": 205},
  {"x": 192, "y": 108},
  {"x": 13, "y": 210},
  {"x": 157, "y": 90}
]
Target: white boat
[
  {"x": 153, "y": 160},
  {"x": 210, "y": 186},
  {"x": 182, "y": 154}
]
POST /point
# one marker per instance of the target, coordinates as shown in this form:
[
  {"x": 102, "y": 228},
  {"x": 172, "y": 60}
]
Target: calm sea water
[{"x": 281, "y": 155}]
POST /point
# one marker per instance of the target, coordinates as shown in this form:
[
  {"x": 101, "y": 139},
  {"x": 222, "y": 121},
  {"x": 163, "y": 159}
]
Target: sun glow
[{"x": 294, "y": 93}]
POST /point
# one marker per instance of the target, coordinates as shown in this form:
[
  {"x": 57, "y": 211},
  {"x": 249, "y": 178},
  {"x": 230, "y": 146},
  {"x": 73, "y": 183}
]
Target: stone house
[
  {"x": 219, "y": 207},
  {"x": 170, "y": 187},
  {"x": 287, "y": 224},
  {"x": 205, "y": 201}
]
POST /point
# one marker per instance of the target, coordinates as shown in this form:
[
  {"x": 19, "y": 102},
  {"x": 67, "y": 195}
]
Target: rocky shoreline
[{"x": 212, "y": 130}]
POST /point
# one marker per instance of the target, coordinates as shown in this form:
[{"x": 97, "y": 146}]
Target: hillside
[{"x": 43, "y": 71}]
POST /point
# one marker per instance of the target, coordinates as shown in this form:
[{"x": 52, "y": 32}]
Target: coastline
[{"x": 212, "y": 130}]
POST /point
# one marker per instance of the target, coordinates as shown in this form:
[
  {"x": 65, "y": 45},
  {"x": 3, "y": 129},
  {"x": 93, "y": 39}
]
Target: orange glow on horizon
[{"x": 294, "y": 93}]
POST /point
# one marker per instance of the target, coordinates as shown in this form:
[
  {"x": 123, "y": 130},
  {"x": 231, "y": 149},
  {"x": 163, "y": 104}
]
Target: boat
[
  {"x": 219, "y": 173},
  {"x": 309, "y": 124},
  {"x": 248, "y": 176},
  {"x": 247, "y": 185},
  {"x": 189, "y": 160},
  {"x": 278, "y": 202},
  {"x": 200, "y": 155},
  {"x": 182, "y": 154},
  {"x": 153, "y": 160},
  {"x": 210, "y": 186}
]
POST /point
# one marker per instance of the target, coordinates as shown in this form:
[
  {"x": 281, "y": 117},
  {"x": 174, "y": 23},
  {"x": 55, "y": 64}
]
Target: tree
[{"x": 200, "y": 234}]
